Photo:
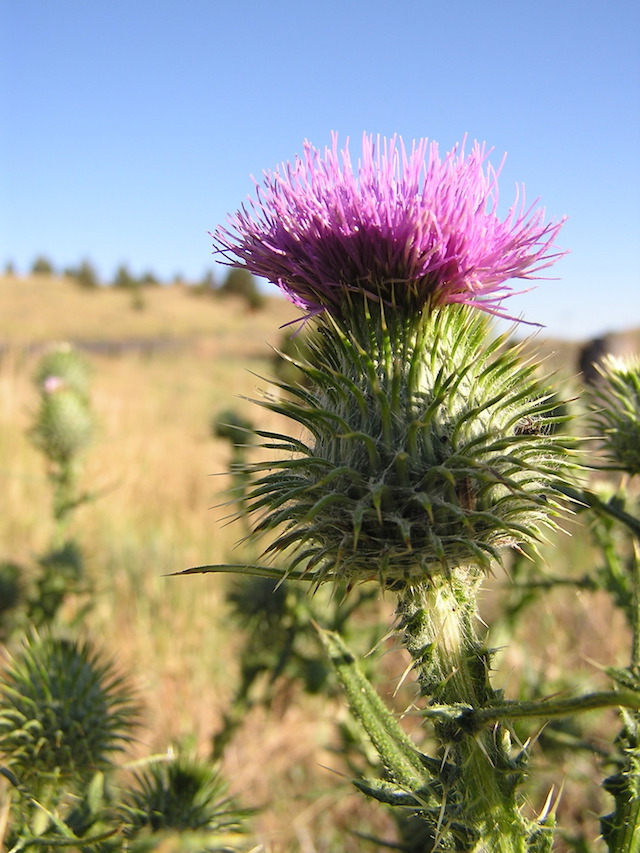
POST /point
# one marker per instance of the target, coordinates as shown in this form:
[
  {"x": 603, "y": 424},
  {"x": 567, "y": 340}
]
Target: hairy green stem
[
  {"x": 635, "y": 640},
  {"x": 470, "y": 719},
  {"x": 437, "y": 622}
]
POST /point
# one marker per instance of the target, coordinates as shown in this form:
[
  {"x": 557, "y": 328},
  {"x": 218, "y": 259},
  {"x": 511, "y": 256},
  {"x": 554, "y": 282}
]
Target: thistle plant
[
  {"x": 280, "y": 644},
  {"x": 615, "y": 402},
  {"x": 422, "y": 445},
  {"x": 63, "y": 427},
  {"x": 62, "y": 364},
  {"x": 64, "y": 713}
]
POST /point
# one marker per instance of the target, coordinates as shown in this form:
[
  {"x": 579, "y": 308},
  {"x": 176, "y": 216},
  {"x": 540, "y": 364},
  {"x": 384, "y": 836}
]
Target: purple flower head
[{"x": 409, "y": 228}]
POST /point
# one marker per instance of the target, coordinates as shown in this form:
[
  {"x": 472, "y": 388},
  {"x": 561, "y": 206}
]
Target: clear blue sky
[{"x": 131, "y": 128}]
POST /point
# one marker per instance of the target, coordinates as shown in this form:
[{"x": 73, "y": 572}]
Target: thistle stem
[
  {"x": 437, "y": 621},
  {"x": 635, "y": 642}
]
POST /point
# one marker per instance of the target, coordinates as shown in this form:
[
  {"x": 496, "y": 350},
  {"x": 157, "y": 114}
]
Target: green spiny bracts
[
  {"x": 63, "y": 711},
  {"x": 64, "y": 424},
  {"x": 428, "y": 446},
  {"x": 616, "y": 400},
  {"x": 63, "y": 365},
  {"x": 181, "y": 794}
]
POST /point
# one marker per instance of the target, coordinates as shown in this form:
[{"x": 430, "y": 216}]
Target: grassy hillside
[
  {"x": 159, "y": 510},
  {"x": 42, "y": 308}
]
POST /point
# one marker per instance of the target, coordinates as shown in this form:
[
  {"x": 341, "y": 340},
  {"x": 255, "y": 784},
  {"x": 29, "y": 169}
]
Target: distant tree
[
  {"x": 124, "y": 279},
  {"x": 207, "y": 285},
  {"x": 85, "y": 275},
  {"x": 42, "y": 266},
  {"x": 148, "y": 279},
  {"x": 208, "y": 281},
  {"x": 9, "y": 268},
  {"x": 240, "y": 282}
]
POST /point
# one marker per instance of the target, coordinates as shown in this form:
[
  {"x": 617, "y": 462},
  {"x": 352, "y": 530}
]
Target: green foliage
[
  {"x": 240, "y": 283},
  {"x": 63, "y": 427},
  {"x": 148, "y": 279},
  {"x": 233, "y": 427},
  {"x": 85, "y": 275},
  {"x": 64, "y": 714},
  {"x": 123, "y": 278},
  {"x": 61, "y": 573},
  {"x": 282, "y": 645},
  {"x": 616, "y": 412},
  {"x": 42, "y": 266},
  {"x": 182, "y": 795},
  {"x": 11, "y": 595},
  {"x": 621, "y": 828}
]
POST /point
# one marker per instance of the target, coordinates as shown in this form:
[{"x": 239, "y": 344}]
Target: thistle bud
[
  {"x": 616, "y": 417},
  {"x": 63, "y": 710},
  {"x": 64, "y": 424},
  {"x": 181, "y": 794}
]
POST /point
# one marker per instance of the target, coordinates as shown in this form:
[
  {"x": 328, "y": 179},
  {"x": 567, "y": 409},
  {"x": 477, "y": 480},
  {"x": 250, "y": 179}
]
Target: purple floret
[{"x": 406, "y": 227}]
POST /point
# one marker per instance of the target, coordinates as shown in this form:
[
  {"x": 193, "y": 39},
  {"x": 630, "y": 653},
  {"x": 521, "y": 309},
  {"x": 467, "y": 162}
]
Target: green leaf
[
  {"x": 403, "y": 761},
  {"x": 272, "y": 572}
]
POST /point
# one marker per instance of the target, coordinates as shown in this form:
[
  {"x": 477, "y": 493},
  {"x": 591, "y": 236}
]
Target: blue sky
[{"x": 131, "y": 128}]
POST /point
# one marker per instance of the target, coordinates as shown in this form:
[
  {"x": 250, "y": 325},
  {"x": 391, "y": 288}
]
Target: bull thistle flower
[
  {"x": 406, "y": 227},
  {"x": 426, "y": 444},
  {"x": 430, "y": 446}
]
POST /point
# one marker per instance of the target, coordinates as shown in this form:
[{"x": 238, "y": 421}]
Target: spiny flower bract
[
  {"x": 427, "y": 448},
  {"x": 404, "y": 226}
]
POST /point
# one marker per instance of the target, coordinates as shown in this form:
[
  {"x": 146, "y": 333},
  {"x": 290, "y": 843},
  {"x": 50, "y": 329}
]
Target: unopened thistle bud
[
  {"x": 181, "y": 794},
  {"x": 64, "y": 424},
  {"x": 616, "y": 417},
  {"x": 63, "y": 711}
]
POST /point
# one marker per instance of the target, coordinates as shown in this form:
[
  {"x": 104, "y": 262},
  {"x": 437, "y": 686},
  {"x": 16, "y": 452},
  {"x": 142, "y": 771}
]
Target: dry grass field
[{"x": 160, "y": 375}]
